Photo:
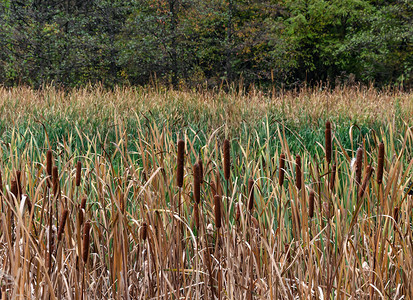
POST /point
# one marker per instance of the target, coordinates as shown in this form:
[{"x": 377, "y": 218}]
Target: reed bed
[{"x": 170, "y": 214}]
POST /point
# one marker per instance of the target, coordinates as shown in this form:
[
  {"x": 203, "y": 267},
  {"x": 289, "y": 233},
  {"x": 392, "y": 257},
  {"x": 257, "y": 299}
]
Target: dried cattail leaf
[
  {"x": 217, "y": 210},
  {"x": 359, "y": 165},
  {"x": 78, "y": 172},
  {"x": 380, "y": 164},
  {"x": 311, "y": 204},
  {"x": 227, "y": 159},
  {"x": 298, "y": 172},
  {"x": 180, "y": 164},
  {"x": 281, "y": 172},
  {"x": 62, "y": 224},
  {"x": 86, "y": 241},
  {"x": 250, "y": 194},
  {"x": 328, "y": 141},
  {"x": 197, "y": 183}
]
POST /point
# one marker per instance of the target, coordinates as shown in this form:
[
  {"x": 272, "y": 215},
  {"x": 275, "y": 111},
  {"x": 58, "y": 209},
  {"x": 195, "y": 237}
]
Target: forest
[{"x": 190, "y": 43}]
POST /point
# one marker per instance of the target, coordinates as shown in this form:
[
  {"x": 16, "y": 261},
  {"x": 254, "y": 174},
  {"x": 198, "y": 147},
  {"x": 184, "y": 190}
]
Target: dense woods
[{"x": 194, "y": 42}]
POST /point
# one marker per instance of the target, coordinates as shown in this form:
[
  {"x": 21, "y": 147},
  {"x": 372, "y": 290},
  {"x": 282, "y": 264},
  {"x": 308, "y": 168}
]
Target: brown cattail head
[
  {"x": 333, "y": 177},
  {"x": 366, "y": 180},
  {"x": 328, "y": 141},
  {"x": 396, "y": 216},
  {"x": 281, "y": 172},
  {"x": 122, "y": 202},
  {"x": 298, "y": 172},
  {"x": 55, "y": 180},
  {"x": 227, "y": 159},
  {"x": 49, "y": 165},
  {"x": 250, "y": 194},
  {"x": 81, "y": 210},
  {"x": 62, "y": 224},
  {"x": 13, "y": 188},
  {"x": 237, "y": 212},
  {"x": 359, "y": 164},
  {"x": 197, "y": 183},
  {"x": 19, "y": 181},
  {"x": 380, "y": 164},
  {"x": 29, "y": 204},
  {"x": 1, "y": 183},
  {"x": 196, "y": 215},
  {"x": 78, "y": 172},
  {"x": 311, "y": 205},
  {"x": 201, "y": 171},
  {"x": 86, "y": 241},
  {"x": 144, "y": 231},
  {"x": 180, "y": 164},
  {"x": 217, "y": 210}
]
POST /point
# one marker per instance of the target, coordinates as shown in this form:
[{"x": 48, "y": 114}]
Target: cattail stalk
[
  {"x": 55, "y": 180},
  {"x": 281, "y": 171},
  {"x": 328, "y": 141},
  {"x": 298, "y": 172},
  {"x": 78, "y": 172},
  {"x": 333, "y": 177},
  {"x": 380, "y": 164}
]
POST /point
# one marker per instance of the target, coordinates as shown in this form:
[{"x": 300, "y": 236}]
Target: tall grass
[{"x": 121, "y": 216}]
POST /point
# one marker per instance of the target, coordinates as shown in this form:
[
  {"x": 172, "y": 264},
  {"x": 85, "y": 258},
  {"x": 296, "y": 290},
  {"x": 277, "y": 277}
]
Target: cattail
[
  {"x": 333, "y": 177},
  {"x": 227, "y": 159},
  {"x": 86, "y": 241},
  {"x": 1, "y": 183},
  {"x": 62, "y": 224},
  {"x": 250, "y": 194},
  {"x": 237, "y": 212},
  {"x": 49, "y": 165},
  {"x": 82, "y": 208},
  {"x": 144, "y": 231},
  {"x": 196, "y": 215},
  {"x": 217, "y": 207},
  {"x": 78, "y": 172},
  {"x": 19, "y": 182},
  {"x": 201, "y": 171},
  {"x": 122, "y": 202},
  {"x": 55, "y": 180},
  {"x": 311, "y": 205},
  {"x": 365, "y": 181},
  {"x": 281, "y": 171},
  {"x": 359, "y": 164},
  {"x": 180, "y": 164},
  {"x": 29, "y": 204},
  {"x": 380, "y": 164},
  {"x": 13, "y": 188},
  {"x": 396, "y": 216},
  {"x": 197, "y": 183},
  {"x": 298, "y": 172},
  {"x": 328, "y": 141}
]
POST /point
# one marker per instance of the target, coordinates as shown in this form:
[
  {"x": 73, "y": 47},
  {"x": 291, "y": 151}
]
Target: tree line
[{"x": 196, "y": 42}]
